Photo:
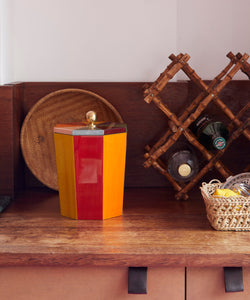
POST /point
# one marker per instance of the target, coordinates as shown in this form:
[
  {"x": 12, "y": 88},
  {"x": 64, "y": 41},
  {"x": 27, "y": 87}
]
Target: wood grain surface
[
  {"x": 11, "y": 163},
  {"x": 155, "y": 230},
  {"x": 62, "y": 106}
]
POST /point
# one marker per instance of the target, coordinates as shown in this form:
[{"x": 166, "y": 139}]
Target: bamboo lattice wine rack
[{"x": 179, "y": 125}]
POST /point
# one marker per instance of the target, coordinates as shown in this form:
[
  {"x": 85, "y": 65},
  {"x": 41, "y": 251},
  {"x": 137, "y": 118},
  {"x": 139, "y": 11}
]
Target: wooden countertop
[{"x": 155, "y": 230}]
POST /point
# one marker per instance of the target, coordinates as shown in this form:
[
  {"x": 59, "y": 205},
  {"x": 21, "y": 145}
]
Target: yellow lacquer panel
[
  {"x": 64, "y": 146},
  {"x": 114, "y": 157}
]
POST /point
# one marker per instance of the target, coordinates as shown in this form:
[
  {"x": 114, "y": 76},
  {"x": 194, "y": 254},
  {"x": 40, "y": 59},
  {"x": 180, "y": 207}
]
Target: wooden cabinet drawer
[
  {"x": 102, "y": 283},
  {"x": 208, "y": 283}
]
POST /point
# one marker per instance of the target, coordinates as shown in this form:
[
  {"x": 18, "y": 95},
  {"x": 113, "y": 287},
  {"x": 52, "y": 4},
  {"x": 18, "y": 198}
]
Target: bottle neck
[{"x": 202, "y": 123}]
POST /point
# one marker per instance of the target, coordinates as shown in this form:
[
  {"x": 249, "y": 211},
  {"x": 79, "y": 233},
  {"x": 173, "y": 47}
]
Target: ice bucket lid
[
  {"x": 84, "y": 129},
  {"x": 90, "y": 127}
]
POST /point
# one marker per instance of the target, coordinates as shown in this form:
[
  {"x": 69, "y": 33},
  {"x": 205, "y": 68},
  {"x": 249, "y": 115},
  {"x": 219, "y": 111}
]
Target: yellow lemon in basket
[{"x": 225, "y": 193}]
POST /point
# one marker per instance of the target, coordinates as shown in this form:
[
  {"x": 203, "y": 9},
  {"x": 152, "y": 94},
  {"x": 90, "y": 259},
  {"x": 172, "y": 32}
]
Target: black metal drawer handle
[
  {"x": 233, "y": 279},
  {"x": 137, "y": 280}
]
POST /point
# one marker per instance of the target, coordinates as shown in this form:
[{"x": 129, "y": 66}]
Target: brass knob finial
[{"x": 91, "y": 118}]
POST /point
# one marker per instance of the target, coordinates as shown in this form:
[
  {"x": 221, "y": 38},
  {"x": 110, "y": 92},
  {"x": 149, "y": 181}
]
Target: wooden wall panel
[
  {"x": 11, "y": 163},
  {"x": 146, "y": 123},
  {"x": 6, "y": 142}
]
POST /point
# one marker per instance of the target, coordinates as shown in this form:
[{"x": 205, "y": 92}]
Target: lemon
[{"x": 225, "y": 193}]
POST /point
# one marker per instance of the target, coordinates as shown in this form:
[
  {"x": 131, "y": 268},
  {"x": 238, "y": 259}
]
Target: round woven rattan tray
[{"x": 62, "y": 106}]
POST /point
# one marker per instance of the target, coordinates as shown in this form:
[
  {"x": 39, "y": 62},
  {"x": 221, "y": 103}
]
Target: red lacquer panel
[{"x": 88, "y": 151}]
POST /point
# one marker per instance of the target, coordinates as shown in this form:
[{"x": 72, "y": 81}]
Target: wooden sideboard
[
  {"x": 47, "y": 255},
  {"x": 44, "y": 255}
]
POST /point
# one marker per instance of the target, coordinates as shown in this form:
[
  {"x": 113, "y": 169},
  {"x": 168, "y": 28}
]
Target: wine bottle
[
  {"x": 183, "y": 165},
  {"x": 211, "y": 134}
]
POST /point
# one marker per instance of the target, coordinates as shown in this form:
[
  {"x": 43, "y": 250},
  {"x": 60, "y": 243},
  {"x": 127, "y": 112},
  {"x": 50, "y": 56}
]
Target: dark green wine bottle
[
  {"x": 211, "y": 134},
  {"x": 183, "y": 165}
]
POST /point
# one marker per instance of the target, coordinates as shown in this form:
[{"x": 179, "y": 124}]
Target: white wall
[
  {"x": 117, "y": 40},
  {"x": 208, "y": 30}
]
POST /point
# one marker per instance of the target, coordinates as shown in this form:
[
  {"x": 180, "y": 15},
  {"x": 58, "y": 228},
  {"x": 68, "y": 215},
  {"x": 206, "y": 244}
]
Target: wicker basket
[{"x": 226, "y": 213}]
